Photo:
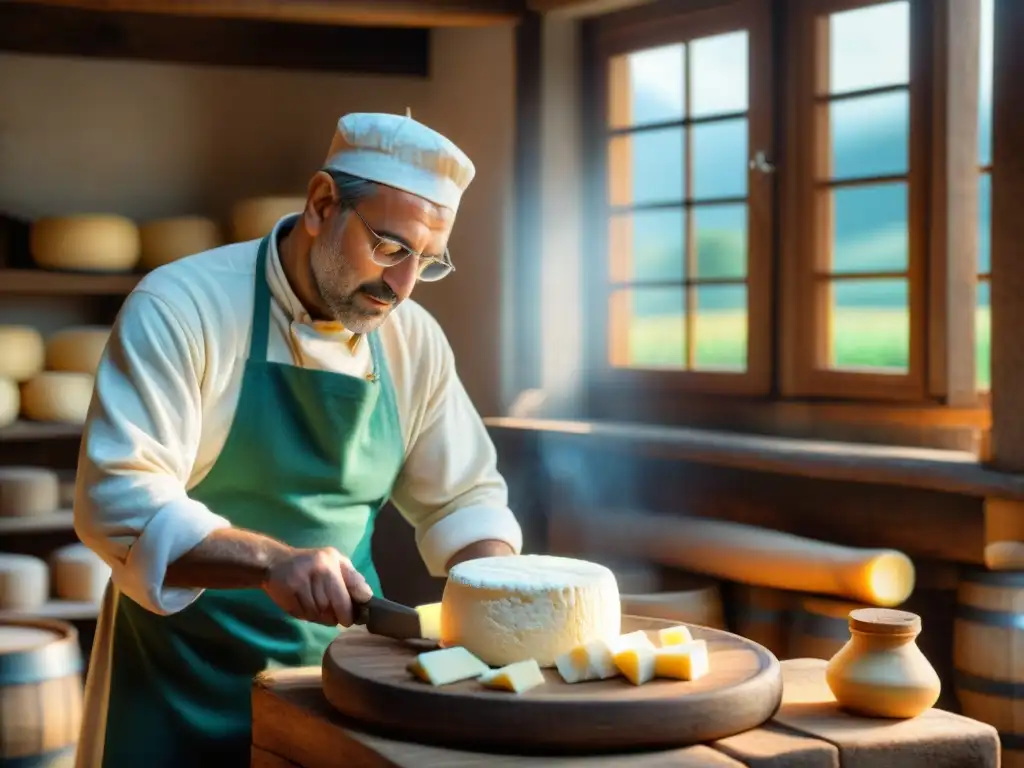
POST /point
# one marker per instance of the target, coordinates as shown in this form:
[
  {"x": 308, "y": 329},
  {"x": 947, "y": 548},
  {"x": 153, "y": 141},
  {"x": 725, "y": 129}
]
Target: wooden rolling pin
[{"x": 747, "y": 554}]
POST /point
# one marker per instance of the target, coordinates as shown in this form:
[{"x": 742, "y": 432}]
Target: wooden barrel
[
  {"x": 819, "y": 627},
  {"x": 40, "y": 692},
  {"x": 690, "y": 600},
  {"x": 763, "y": 614},
  {"x": 988, "y": 655}
]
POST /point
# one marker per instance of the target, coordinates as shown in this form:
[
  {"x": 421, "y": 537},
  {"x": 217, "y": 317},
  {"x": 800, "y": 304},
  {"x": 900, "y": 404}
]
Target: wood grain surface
[{"x": 365, "y": 678}]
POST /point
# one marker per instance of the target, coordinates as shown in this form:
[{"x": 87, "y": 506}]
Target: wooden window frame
[
  {"x": 806, "y": 240},
  {"x": 943, "y": 228},
  {"x": 622, "y": 33}
]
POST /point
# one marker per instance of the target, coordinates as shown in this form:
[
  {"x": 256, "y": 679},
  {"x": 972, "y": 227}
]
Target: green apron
[{"x": 310, "y": 459}]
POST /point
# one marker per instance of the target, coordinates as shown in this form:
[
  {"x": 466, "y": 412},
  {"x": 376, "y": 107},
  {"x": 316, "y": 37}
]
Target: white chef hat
[{"x": 400, "y": 152}]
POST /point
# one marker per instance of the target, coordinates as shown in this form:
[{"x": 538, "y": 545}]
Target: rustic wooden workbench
[{"x": 293, "y": 725}]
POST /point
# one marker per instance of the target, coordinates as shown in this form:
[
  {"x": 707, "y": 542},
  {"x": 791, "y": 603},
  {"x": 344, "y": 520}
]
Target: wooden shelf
[
  {"x": 62, "y": 520},
  {"x": 39, "y": 430},
  {"x": 41, "y": 282},
  {"x": 68, "y": 610},
  {"x": 939, "y": 470}
]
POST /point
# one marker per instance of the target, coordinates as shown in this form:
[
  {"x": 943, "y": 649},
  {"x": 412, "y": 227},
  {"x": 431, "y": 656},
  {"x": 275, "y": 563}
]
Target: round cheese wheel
[
  {"x": 167, "y": 240},
  {"x": 79, "y": 574},
  {"x": 253, "y": 219},
  {"x": 77, "y": 349},
  {"x": 86, "y": 243},
  {"x": 26, "y": 491},
  {"x": 24, "y": 582},
  {"x": 22, "y": 352},
  {"x": 10, "y": 402},
  {"x": 57, "y": 396},
  {"x": 509, "y": 609}
]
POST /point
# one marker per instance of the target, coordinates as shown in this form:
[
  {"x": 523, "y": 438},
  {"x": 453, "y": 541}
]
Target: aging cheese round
[
  {"x": 167, "y": 240},
  {"x": 254, "y": 218},
  {"x": 28, "y": 491},
  {"x": 77, "y": 349},
  {"x": 57, "y": 396},
  {"x": 509, "y": 609},
  {"x": 79, "y": 574},
  {"x": 22, "y": 352},
  {"x": 10, "y": 402},
  {"x": 24, "y": 582},
  {"x": 85, "y": 243}
]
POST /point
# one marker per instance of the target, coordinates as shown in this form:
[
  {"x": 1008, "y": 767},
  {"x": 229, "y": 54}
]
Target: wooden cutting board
[{"x": 365, "y": 678}]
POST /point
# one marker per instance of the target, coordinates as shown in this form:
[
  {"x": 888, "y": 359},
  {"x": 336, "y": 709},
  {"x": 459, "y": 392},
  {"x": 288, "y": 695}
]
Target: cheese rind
[
  {"x": 10, "y": 402},
  {"x": 166, "y": 240},
  {"x": 688, "y": 661},
  {"x": 509, "y": 609},
  {"x": 28, "y": 491},
  {"x": 517, "y": 678},
  {"x": 79, "y": 574},
  {"x": 674, "y": 636},
  {"x": 57, "y": 396},
  {"x": 22, "y": 352},
  {"x": 447, "y": 666},
  {"x": 637, "y": 663},
  {"x": 77, "y": 349},
  {"x": 24, "y": 582},
  {"x": 88, "y": 243}
]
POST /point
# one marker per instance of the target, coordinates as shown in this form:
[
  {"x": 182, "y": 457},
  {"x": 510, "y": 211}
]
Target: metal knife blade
[{"x": 389, "y": 619}]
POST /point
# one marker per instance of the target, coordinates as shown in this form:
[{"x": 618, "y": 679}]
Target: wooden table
[{"x": 293, "y": 725}]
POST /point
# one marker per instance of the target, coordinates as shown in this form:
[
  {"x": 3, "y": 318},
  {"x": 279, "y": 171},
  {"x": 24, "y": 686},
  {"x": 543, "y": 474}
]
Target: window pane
[
  {"x": 984, "y": 224},
  {"x": 647, "y": 86},
  {"x": 982, "y": 335},
  {"x": 647, "y": 246},
  {"x": 870, "y": 229},
  {"x": 869, "y": 47},
  {"x": 870, "y": 135},
  {"x": 985, "y": 91},
  {"x": 870, "y": 325},
  {"x": 646, "y": 167},
  {"x": 720, "y": 159},
  {"x": 720, "y": 327},
  {"x": 719, "y": 74},
  {"x": 647, "y": 327},
  {"x": 720, "y": 232}
]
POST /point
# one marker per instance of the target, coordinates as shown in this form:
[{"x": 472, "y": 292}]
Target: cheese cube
[
  {"x": 517, "y": 677},
  {"x": 689, "y": 661},
  {"x": 674, "y": 636},
  {"x": 447, "y": 665},
  {"x": 430, "y": 620},
  {"x": 637, "y": 664},
  {"x": 638, "y": 639},
  {"x": 590, "y": 661}
]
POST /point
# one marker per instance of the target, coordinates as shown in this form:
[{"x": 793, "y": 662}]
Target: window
[
  {"x": 857, "y": 276},
  {"x": 764, "y": 222},
  {"x": 685, "y": 279},
  {"x": 982, "y": 323}
]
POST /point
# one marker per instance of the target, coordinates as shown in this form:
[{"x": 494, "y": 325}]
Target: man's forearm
[
  {"x": 486, "y": 548},
  {"x": 230, "y": 558}
]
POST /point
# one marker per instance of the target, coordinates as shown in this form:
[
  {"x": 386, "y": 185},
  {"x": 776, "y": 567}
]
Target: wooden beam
[
  {"x": 36, "y": 28},
  {"x": 1007, "y": 239},
  {"x": 582, "y": 8},
  {"x": 397, "y": 13}
]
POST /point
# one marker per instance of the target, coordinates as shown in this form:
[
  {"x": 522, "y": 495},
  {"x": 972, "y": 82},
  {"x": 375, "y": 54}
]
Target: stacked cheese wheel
[
  {"x": 62, "y": 391},
  {"x": 254, "y": 218},
  {"x": 22, "y": 356},
  {"x": 75, "y": 573},
  {"x": 85, "y": 243}
]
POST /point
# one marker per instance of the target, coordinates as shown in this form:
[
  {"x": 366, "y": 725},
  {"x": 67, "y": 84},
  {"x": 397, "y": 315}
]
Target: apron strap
[{"x": 260, "y": 306}]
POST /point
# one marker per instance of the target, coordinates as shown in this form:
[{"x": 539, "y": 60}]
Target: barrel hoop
[
  {"x": 36, "y": 665},
  {"x": 1003, "y": 619},
  {"x": 1002, "y": 689},
  {"x": 993, "y": 578},
  {"x": 52, "y": 759},
  {"x": 822, "y": 627},
  {"x": 760, "y": 615}
]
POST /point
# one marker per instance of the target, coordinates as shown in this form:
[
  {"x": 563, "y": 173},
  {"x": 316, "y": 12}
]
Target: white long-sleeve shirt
[{"x": 166, "y": 392}]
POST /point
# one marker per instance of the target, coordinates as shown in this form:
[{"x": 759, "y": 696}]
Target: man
[{"x": 256, "y": 405}]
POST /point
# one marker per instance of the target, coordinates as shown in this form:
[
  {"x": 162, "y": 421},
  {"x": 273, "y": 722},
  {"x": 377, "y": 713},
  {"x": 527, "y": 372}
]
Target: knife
[{"x": 389, "y": 619}]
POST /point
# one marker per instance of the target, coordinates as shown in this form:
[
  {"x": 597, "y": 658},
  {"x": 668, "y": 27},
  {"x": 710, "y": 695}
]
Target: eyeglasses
[{"x": 388, "y": 252}]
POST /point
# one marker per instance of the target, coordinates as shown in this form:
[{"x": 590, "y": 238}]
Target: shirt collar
[{"x": 283, "y": 294}]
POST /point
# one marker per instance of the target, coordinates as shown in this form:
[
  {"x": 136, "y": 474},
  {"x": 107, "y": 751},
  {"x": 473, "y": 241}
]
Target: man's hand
[
  {"x": 318, "y": 585},
  {"x": 486, "y": 548}
]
